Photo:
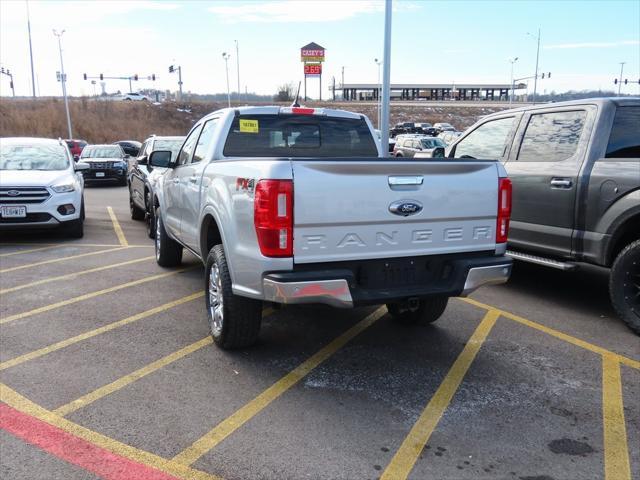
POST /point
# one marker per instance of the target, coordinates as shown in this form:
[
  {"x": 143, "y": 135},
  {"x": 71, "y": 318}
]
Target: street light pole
[
  {"x": 378, "y": 92},
  {"x": 226, "y": 56},
  {"x": 63, "y": 80},
  {"x": 386, "y": 76},
  {"x": 620, "y": 81},
  {"x": 512, "y": 61},
  {"x": 33, "y": 82},
  {"x": 535, "y": 78},
  {"x": 238, "y": 66}
]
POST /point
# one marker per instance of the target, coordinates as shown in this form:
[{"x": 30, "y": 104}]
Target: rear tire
[
  {"x": 168, "y": 251},
  {"x": 234, "y": 321},
  {"x": 429, "y": 310},
  {"x": 624, "y": 285},
  {"x": 136, "y": 212}
]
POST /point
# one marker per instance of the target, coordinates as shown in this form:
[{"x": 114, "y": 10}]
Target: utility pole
[
  {"x": 33, "y": 83},
  {"x": 620, "y": 81},
  {"x": 512, "y": 61},
  {"x": 386, "y": 76},
  {"x": 63, "y": 80},
  {"x": 226, "y": 56},
  {"x": 342, "y": 84},
  {"x": 238, "y": 67},
  {"x": 535, "y": 78},
  {"x": 333, "y": 88}
]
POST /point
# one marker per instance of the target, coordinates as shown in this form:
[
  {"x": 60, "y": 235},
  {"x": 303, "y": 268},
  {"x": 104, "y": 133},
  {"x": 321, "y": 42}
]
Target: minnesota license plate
[{"x": 14, "y": 211}]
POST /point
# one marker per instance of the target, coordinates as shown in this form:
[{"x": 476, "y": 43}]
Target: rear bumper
[
  {"x": 109, "y": 174},
  {"x": 352, "y": 286}
]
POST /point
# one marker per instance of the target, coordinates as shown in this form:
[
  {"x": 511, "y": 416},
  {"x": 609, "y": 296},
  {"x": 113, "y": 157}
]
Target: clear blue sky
[{"x": 583, "y": 42}]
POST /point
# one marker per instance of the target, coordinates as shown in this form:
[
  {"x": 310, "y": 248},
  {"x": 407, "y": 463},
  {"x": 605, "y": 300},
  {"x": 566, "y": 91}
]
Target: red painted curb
[{"x": 73, "y": 449}]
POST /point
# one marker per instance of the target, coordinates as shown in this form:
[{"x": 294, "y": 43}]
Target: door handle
[
  {"x": 561, "y": 183},
  {"x": 175, "y": 181},
  {"x": 406, "y": 180},
  {"x": 193, "y": 179}
]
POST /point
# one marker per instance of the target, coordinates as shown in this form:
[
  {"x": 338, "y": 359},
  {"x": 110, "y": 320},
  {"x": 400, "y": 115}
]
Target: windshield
[
  {"x": 33, "y": 157},
  {"x": 101, "y": 152},
  {"x": 432, "y": 143},
  {"x": 172, "y": 145},
  {"x": 299, "y": 136}
]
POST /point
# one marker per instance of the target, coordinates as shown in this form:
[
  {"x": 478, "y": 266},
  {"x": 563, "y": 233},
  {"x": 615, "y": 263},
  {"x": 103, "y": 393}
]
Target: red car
[{"x": 76, "y": 147}]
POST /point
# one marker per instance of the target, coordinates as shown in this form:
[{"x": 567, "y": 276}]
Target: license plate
[
  {"x": 13, "y": 212},
  {"x": 99, "y": 174}
]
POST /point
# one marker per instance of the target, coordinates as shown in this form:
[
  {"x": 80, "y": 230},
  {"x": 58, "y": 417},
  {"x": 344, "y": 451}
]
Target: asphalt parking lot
[{"x": 108, "y": 371}]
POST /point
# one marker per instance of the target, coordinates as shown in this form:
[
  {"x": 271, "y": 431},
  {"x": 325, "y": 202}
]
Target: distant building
[{"x": 428, "y": 91}]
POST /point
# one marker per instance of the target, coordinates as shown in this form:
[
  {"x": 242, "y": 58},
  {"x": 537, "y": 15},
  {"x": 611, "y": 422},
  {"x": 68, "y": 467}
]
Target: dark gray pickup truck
[{"x": 575, "y": 168}]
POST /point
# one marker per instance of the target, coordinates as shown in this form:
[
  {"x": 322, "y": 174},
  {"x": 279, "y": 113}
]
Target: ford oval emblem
[
  {"x": 13, "y": 193},
  {"x": 404, "y": 208}
]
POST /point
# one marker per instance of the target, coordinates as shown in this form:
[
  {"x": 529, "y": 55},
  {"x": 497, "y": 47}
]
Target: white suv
[{"x": 40, "y": 185}]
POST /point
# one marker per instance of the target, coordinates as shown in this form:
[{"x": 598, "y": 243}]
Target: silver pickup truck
[{"x": 295, "y": 205}]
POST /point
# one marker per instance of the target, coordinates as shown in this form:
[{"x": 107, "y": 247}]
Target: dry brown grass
[{"x": 109, "y": 121}]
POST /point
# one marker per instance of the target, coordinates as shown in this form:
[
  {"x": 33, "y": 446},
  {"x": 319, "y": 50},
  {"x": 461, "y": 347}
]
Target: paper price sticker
[{"x": 249, "y": 126}]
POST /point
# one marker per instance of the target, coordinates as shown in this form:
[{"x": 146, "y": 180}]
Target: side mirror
[
  {"x": 143, "y": 160},
  {"x": 80, "y": 166},
  {"x": 76, "y": 158},
  {"x": 161, "y": 158}
]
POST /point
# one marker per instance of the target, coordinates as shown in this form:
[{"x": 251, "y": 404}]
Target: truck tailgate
[{"x": 343, "y": 208}]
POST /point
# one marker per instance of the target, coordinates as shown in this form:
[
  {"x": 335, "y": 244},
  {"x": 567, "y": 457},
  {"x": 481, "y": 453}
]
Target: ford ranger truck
[{"x": 296, "y": 205}]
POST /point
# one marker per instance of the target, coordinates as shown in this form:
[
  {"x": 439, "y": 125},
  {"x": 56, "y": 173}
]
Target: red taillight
[
  {"x": 504, "y": 210},
  {"x": 273, "y": 217}
]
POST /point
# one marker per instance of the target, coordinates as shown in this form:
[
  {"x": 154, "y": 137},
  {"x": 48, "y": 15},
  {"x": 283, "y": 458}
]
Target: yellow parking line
[
  {"x": 405, "y": 458},
  {"x": 132, "y": 377},
  {"x": 74, "y": 275},
  {"x": 87, "y": 296},
  {"x": 20, "y": 252},
  {"x": 116, "y": 226},
  {"x": 24, "y": 405},
  {"x": 616, "y": 451},
  {"x": 60, "y": 259},
  {"x": 92, "y": 333},
  {"x": 255, "y": 406},
  {"x": 629, "y": 362}
]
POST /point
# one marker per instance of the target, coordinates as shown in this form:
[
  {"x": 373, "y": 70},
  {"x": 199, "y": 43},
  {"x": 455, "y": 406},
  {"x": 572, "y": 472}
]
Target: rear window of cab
[{"x": 299, "y": 136}]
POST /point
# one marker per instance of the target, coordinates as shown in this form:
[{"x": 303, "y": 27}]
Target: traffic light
[
  {"x": 171, "y": 69},
  {"x": 85, "y": 75},
  {"x": 101, "y": 77},
  {"x": 625, "y": 81},
  {"x": 547, "y": 74},
  {"x": 11, "y": 84},
  {"x": 153, "y": 77},
  {"x": 615, "y": 82},
  {"x": 135, "y": 77}
]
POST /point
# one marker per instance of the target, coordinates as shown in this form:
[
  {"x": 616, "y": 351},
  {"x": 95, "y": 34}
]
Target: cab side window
[
  {"x": 552, "y": 136},
  {"x": 204, "y": 140},
  {"x": 189, "y": 145},
  {"x": 489, "y": 141}
]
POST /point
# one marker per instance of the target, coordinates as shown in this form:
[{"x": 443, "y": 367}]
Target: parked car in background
[
  {"x": 106, "y": 163},
  {"x": 411, "y": 145},
  {"x": 130, "y": 147},
  {"x": 40, "y": 186},
  {"x": 243, "y": 195},
  {"x": 575, "y": 168},
  {"x": 426, "y": 128},
  {"x": 76, "y": 146},
  {"x": 135, "y": 97},
  {"x": 143, "y": 178},
  {"x": 449, "y": 136},
  {"x": 443, "y": 127}
]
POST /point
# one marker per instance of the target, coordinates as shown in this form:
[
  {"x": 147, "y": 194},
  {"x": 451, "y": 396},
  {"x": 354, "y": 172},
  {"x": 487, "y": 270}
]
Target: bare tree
[{"x": 285, "y": 93}]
